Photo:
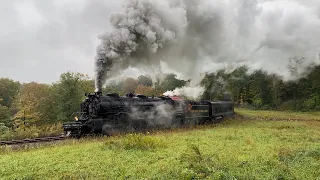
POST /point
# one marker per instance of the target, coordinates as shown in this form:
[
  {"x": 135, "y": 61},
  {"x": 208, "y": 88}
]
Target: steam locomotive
[{"x": 111, "y": 114}]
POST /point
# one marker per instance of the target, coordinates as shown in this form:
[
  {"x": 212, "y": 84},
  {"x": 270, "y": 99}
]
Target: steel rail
[{"x": 35, "y": 140}]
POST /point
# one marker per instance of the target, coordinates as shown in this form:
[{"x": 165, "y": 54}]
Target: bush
[
  {"x": 199, "y": 165},
  {"x": 23, "y": 132},
  {"x": 312, "y": 103},
  {"x": 3, "y": 129},
  {"x": 51, "y": 130}
]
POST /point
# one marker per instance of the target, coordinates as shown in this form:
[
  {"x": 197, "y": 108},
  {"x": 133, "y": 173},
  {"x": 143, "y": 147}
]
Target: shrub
[
  {"x": 3, "y": 129},
  {"x": 23, "y": 132},
  {"x": 51, "y": 130},
  {"x": 199, "y": 165}
]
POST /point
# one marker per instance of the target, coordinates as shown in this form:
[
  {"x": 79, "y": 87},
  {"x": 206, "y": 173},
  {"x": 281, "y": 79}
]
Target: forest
[{"x": 35, "y": 109}]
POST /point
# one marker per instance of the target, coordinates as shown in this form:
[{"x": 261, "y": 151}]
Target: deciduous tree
[
  {"x": 35, "y": 103},
  {"x": 145, "y": 90},
  {"x": 8, "y": 91},
  {"x": 145, "y": 80},
  {"x": 69, "y": 93},
  {"x": 130, "y": 85},
  {"x": 170, "y": 82},
  {"x": 5, "y": 116}
]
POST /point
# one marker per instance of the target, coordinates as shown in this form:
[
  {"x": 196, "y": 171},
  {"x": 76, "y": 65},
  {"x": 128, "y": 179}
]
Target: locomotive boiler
[{"x": 110, "y": 114}]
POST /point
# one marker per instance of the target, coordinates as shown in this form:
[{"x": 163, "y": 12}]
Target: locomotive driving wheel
[{"x": 110, "y": 129}]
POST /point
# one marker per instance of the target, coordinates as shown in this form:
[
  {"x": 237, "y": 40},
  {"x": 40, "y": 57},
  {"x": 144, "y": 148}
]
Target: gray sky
[{"x": 40, "y": 39}]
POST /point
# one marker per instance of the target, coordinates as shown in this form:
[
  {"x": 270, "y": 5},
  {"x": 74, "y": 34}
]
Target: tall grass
[
  {"x": 278, "y": 115},
  {"x": 134, "y": 142},
  {"x": 199, "y": 165}
]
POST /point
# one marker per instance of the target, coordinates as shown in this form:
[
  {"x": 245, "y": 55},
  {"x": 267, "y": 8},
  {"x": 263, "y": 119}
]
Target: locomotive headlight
[{"x": 76, "y": 118}]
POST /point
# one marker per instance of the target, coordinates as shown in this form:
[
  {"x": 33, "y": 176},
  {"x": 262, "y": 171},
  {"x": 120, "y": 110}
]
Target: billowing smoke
[
  {"x": 196, "y": 36},
  {"x": 139, "y": 31}
]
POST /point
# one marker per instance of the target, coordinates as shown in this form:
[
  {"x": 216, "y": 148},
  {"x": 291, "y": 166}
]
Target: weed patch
[
  {"x": 135, "y": 142},
  {"x": 199, "y": 165},
  {"x": 290, "y": 156},
  {"x": 300, "y": 162},
  {"x": 81, "y": 175},
  {"x": 285, "y": 127}
]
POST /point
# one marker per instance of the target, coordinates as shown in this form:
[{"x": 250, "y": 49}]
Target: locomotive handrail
[{"x": 122, "y": 113}]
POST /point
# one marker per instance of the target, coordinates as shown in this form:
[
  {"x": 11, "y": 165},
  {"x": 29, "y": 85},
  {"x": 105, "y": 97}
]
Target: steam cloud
[
  {"x": 194, "y": 37},
  {"x": 161, "y": 115},
  {"x": 190, "y": 92}
]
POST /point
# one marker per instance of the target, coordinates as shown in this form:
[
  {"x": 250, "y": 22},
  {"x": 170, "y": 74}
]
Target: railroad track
[{"x": 35, "y": 140}]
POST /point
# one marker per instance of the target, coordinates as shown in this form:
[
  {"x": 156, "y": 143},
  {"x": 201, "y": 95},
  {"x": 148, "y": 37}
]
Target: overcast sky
[{"x": 40, "y": 39}]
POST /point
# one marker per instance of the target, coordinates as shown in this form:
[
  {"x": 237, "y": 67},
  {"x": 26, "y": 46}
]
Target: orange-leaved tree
[
  {"x": 35, "y": 103},
  {"x": 145, "y": 90}
]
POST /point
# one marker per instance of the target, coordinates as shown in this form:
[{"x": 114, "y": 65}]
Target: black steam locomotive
[{"x": 110, "y": 114}]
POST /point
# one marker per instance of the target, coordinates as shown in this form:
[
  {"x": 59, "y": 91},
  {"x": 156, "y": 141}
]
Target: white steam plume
[
  {"x": 161, "y": 115},
  {"x": 190, "y": 92},
  {"x": 197, "y": 35}
]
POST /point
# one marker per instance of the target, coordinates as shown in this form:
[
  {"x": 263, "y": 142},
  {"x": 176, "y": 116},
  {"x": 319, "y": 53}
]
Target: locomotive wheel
[
  {"x": 214, "y": 119},
  {"x": 110, "y": 129}
]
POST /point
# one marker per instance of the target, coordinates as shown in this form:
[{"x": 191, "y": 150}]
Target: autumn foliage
[{"x": 145, "y": 90}]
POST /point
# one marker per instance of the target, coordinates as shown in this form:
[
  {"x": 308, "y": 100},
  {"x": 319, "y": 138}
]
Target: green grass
[
  {"x": 279, "y": 115},
  {"x": 234, "y": 149}
]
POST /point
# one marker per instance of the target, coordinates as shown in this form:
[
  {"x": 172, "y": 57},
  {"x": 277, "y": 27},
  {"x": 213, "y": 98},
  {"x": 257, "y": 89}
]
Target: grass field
[
  {"x": 280, "y": 115},
  {"x": 257, "y": 146}
]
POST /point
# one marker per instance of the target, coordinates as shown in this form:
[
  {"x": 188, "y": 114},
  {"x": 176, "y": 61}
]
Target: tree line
[
  {"x": 263, "y": 90},
  {"x": 40, "y": 104}
]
